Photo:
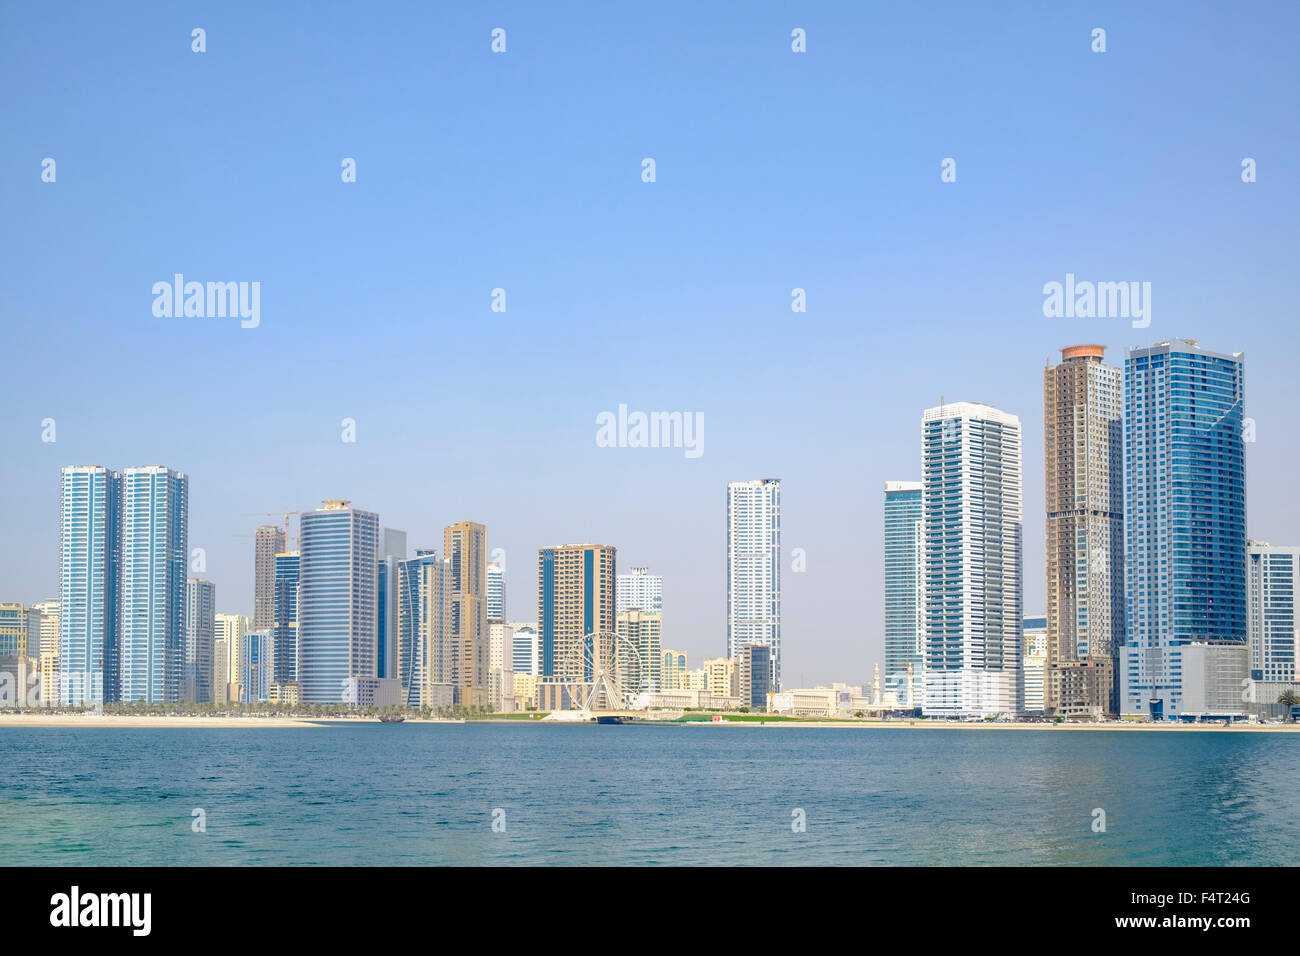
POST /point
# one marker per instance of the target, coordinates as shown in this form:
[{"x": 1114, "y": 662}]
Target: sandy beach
[
  {"x": 1126, "y": 727},
  {"x": 147, "y": 721},
  {"x": 123, "y": 720}
]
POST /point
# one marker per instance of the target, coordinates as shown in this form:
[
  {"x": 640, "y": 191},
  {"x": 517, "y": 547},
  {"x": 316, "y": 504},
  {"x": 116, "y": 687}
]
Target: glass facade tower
[
  {"x": 153, "y": 565},
  {"x": 1185, "y": 517},
  {"x": 904, "y": 596},
  {"x": 337, "y": 599}
]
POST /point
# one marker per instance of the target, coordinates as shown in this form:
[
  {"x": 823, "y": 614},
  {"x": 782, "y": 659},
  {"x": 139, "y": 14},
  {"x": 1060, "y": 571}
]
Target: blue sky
[{"x": 522, "y": 171}]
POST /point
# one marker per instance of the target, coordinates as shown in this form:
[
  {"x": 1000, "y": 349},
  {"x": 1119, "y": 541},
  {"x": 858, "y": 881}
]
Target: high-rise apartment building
[
  {"x": 392, "y": 551},
  {"x": 197, "y": 672},
  {"x": 284, "y": 627},
  {"x": 496, "y": 591},
  {"x": 426, "y": 651},
  {"x": 153, "y": 568},
  {"x": 640, "y": 588},
  {"x": 229, "y": 631},
  {"x": 643, "y": 631},
  {"x": 255, "y": 657},
  {"x": 575, "y": 599},
  {"x": 337, "y": 599},
  {"x": 88, "y": 582},
  {"x": 754, "y": 568},
  {"x": 904, "y": 593},
  {"x": 1273, "y": 582},
  {"x": 464, "y": 546},
  {"x": 1084, "y": 471},
  {"x": 1185, "y": 525},
  {"x": 268, "y": 541},
  {"x": 972, "y": 512}
]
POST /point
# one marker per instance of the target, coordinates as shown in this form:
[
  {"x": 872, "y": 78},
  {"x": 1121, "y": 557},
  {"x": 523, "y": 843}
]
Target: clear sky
[{"x": 522, "y": 171}]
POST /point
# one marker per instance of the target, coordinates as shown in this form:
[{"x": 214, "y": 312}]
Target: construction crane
[{"x": 274, "y": 514}]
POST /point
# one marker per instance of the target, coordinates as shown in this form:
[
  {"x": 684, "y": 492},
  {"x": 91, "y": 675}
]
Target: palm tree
[{"x": 1289, "y": 699}]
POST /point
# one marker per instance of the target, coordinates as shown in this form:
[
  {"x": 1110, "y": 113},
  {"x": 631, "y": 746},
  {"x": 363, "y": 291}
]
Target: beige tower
[
  {"x": 269, "y": 541},
  {"x": 575, "y": 598},
  {"x": 1083, "y": 449},
  {"x": 464, "y": 546}
]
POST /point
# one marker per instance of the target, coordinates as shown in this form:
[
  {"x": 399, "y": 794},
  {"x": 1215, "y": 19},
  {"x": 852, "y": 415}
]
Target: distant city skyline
[{"x": 674, "y": 294}]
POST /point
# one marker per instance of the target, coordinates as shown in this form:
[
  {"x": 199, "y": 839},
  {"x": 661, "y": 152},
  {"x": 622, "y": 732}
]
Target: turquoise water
[{"x": 412, "y": 794}]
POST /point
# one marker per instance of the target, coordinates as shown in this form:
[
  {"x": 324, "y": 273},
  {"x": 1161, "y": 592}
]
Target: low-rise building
[{"x": 525, "y": 690}]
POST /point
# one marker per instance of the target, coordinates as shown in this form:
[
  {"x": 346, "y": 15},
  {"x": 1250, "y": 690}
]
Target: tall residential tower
[
  {"x": 1084, "y": 459},
  {"x": 904, "y": 593},
  {"x": 575, "y": 600},
  {"x": 754, "y": 569},
  {"x": 337, "y": 606},
  {"x": 88, "y": 555},
  {"x": 972, "y": 512},
  {"x": 1185, "y": 530},
  {"x": 267, "y": 543},
  {"x": 153, "y": 564}
]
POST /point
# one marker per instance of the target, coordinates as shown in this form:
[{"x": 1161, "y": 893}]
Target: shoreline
[
  {"x": 243, "y": 722},
  {"x": 159, "y": 722}
]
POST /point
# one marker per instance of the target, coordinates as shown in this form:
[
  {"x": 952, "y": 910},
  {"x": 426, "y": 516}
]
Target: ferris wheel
[{"x": 603, "y": 671}]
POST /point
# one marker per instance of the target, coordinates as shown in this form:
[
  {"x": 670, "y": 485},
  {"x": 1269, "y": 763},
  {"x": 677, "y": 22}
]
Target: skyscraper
[
  {"x": 268, "y": 542},
  {"x": 464, "y": 545},
  {"x": 392, "y": 550},
  {"x": 643, "y": 631},
  {"x": 337, "y": 606},
  {"x": 88, "y": 555},
  {"x": 255, "y": 678},
  {"x": 754, "y": 568},
  {"x": 904, "y": 594},
  {"x": 972, "y": 513},
  {"x": 496, "y": 591},
  {"x": 575, "y": 599},
  {"x": 426, "y": 651},
  {"x": 283, "y": 649},
  {"x": 1274, "y": 596},
  {"x": 640, "y": 589},
  {"x": 1083, "y": 455},
  {"x": 229, "y": 630},
  {"x": 1185, "y": 528},
  {"x": 197, "y": 672},
  {"x": 153, "y": 563}
]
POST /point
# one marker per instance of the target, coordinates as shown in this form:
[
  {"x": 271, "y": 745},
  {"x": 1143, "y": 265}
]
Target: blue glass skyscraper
[
  {"x": 284, "y": 633},
  {"x": 337, "y": 599},
  {"x": 153, "y": 561},
  {"x": 904, "y": 591},
  {"x": 392, "y": 551},
  {"x": 1185, "y": 522},
  {"x": 88, "y": 544}
]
